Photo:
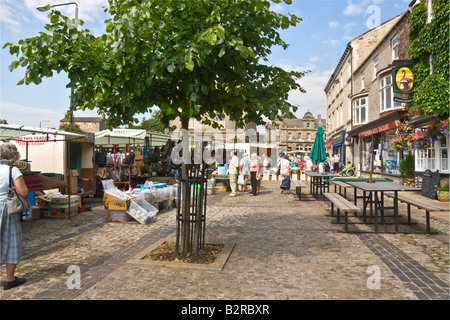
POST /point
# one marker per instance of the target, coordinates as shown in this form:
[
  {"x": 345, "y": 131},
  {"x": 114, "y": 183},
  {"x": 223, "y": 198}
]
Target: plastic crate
[{"x": 141, "y": 210}]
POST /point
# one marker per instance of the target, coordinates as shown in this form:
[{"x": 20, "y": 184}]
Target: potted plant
[
  {"x": 407, "y": 169},
  {"x": 442, "y": 193}
]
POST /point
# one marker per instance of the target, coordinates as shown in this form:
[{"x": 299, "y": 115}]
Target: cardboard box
[
  {"x": 118, "y": 216},
  {"x": 35, "y": 213},
  {"x": 41, "y": 201},
  {"x": 113, "y": 203},
  {"x": 73, "y": 183},
  {"x": 45, "y": 212},
  {"x": 60, "y": 213},
  {"x": 63, "y": 201}
]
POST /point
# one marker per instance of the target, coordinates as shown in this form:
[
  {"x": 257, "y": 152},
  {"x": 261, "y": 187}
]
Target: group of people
[
  {"x": 240, "y": 171},
  {"x": 332, "y": 163}
]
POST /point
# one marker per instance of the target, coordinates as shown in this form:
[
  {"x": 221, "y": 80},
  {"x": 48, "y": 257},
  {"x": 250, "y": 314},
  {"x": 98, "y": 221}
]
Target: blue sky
[{"x": 316, "y": 44}]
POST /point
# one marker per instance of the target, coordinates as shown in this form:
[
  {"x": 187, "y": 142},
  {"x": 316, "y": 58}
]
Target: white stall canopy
[
  {"x": 13, "y": 131},
  {"x": 120, "y": 137}
]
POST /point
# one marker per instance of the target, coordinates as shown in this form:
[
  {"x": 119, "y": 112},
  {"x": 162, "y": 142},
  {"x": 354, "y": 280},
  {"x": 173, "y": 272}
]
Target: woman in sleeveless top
[{"x": 254, "y": 172}]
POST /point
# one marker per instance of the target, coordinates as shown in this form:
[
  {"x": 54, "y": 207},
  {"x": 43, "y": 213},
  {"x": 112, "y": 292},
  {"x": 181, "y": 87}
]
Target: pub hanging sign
[{"x": 403, "y": 80}]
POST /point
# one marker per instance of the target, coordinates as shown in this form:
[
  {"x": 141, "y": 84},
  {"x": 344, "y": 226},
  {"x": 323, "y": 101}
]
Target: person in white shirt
[
  {"x": 244, "y": 167},
  {"x": 233, "y": 171}
]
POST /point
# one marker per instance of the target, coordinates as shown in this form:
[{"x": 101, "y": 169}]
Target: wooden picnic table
[
  {"x": 319, "y": 181},
  {"x": 374, "y": 193}
]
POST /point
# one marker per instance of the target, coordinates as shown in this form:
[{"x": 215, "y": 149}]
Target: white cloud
[
  {"x": 314, "y": 99},
  {"x": 30, "y": 116},
  {"x": 333, "y": 24},
  {"x": 314, "y": 59},
  {"x": 15, "y": 113},
  {"x": 331, "y": 42},
  {"x": 349, "y": 26},
  {"x": 11, "y": 18},
  {"x": 354, "y": 9}
]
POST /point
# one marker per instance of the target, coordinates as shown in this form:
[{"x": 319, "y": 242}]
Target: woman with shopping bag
[{"x": 10, "y": 225}]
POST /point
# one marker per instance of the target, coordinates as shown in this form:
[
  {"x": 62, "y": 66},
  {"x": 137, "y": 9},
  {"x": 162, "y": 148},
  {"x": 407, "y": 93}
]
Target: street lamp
[
  {"x": 46, "y": 8},
  {"x": 40, "y": 122}
]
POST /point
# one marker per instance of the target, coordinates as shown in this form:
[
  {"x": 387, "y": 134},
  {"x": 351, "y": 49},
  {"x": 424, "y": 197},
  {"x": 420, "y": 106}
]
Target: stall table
[{"x": 375, "y": 191}]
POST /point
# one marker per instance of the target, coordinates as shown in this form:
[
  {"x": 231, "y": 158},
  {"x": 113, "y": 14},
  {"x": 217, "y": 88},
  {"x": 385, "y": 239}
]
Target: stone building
[
  {"x": 344, "y": 86},
  {"x": 296, "y": 134},
  {"x": 88, "y": 124},
  {"x": 228, "y": 129},
  {"x": 373, "y": 99}
]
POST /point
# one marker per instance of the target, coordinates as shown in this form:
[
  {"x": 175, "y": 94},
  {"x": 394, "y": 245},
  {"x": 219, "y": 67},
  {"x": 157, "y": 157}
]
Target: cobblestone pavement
[{"x": 284, "y": 249}]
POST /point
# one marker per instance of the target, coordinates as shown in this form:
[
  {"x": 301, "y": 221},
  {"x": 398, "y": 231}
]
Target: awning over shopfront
[
  {"x": 13, "y": 131},
  {"x": 380, "y": 125},
  {"x": 338, "y": 139}
]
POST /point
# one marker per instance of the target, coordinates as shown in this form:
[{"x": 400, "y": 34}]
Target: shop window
[
  {"x": 365, "y": 153},
  {"x": 426, "y": 159},
  {"x": 360, "y": 111},
  {"x": 390, "y": 156},
  {"x": 444, "y": 154}
]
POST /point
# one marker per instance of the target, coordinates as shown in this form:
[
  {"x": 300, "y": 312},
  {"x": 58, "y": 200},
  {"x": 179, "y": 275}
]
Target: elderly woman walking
[{"x": 10, "y": 225}]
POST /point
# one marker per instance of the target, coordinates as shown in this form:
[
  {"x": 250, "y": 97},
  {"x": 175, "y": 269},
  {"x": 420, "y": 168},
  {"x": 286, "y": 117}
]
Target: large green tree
[{"x": 201, "y": 59}]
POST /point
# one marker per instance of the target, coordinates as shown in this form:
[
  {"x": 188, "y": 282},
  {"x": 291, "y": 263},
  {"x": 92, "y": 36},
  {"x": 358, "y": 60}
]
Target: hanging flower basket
[
  {"x": 418, "y": 141},
  {"x": 437, "y": 129},
  {"x": 400, "y": 143},
  {"x": 71, "y": 127}
]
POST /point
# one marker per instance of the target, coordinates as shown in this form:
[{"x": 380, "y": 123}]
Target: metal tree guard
[{"x": 191, "y": 211}]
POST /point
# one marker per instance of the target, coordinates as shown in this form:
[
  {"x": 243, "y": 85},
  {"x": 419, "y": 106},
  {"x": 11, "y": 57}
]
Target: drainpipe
[{"x": 351, "y": 103}]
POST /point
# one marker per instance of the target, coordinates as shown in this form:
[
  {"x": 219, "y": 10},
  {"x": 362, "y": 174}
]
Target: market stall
[
  {"x": 46, "y": 163},
  {"x": 151, "y": 162}
]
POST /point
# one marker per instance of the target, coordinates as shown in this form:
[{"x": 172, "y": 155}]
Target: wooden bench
[
  {"x": 418, "y": 203},
  {"x": 298, "y": 187},
  {"x": 341, "y": 185},
  {"x": 342, "y": 205}
]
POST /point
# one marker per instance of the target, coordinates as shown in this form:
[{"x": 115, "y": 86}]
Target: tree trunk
[{"x": 186, "y": 241}]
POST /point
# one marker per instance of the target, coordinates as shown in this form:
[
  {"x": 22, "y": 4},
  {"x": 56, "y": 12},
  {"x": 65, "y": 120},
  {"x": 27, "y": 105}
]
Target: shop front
[
  {"x": 338, "y": 145},
  {"x": 374, "y": 146}
]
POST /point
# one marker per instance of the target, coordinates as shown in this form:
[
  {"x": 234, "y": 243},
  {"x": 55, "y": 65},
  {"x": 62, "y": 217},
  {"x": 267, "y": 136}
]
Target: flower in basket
[
  {"x": 400, "y": 143},
  {"x": 403, "y": 128},
  {"x": 418, "y": 140},
  {"x": 70, "y": 127},
  {"x": 436, "y": 129}
]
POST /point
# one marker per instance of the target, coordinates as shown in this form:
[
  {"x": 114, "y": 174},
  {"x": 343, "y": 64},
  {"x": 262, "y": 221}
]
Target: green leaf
[
  {"x": 54, "y": 19},
  {"x": 221, "y": 52},
  {"x": 171, "y": 68},
  {"x": 190, "y": 65},
  {"x": 212, "y": 39}
]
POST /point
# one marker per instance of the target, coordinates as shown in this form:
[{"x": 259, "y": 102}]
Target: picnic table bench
[
  {"x": 298, "y": 187},
  {"x": 342, "y": 205},
  {"x": 341, "y": 185},
  {"x": 418, "y": 203}
]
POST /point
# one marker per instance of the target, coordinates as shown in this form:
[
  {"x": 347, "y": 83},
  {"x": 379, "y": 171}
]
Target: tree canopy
[{"x": 202, "y": 59}]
